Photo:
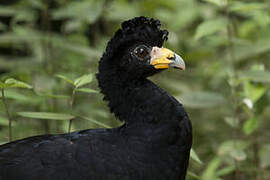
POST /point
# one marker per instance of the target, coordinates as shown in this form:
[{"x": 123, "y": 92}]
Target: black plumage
[{"x": 154, "y": 142}]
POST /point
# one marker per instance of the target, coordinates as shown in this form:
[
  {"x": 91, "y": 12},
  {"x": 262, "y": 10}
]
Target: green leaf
[
  {"x": 250, "y": 126},
  {"x": 254, "y": 91},
  {"x": 120, "y": 10},
  {"x": 83, "y": 80},
  {"x": 257, "y": 76},
  {"x": 7, "y": 11},
  {"x": 2, "y": 85},
  {"x": 80, "y": 49},
  {"x": 46, "y": 115},
  {"x": 83, "y": 10},
  {"x": 233, "y": 149},
  {"x": 39, "y": 4},
  {"x": 264, "y": 155},
  {"x": 245, "y": 7},
  {"x": 95, "y": 122},
  {"x": 247, "y": 50},
  {"x": 87, "y": 90},
  {"x": 233, "y": 122},
  {"x": 193, "y": 175},
  {"x": 201, "y": 99},
  {"x": 218, "y": 2},
  {"x": 3, "y": 121},
  {"x": 226, "y": 170},
  {"x": 209, "y": 27},
  {"x": 30, "y": 36},
  {"x": 25, "y": 15},
  {"x": 17, "y": 84},
  {"x": 194, "y": 156},
  {"x": 65, "y": 79},
  {"x": 56, "y": 96},
  {"x": 238, "y": 154},
  {"x": 211, "y": 169},
  {"x": 12, "y": 94}
]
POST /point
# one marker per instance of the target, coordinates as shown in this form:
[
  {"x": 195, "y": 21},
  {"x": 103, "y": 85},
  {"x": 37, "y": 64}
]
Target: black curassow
[{"x": 154, "y": 142}]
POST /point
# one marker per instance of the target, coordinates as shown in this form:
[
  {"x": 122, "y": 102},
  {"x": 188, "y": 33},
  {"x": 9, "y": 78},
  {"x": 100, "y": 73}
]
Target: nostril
[{"x": 171, "y": 57}]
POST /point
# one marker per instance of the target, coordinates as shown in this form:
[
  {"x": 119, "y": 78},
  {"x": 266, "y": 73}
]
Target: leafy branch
[
  {"x": 11, "y": 83},
  {"x": 77, "y": 84}
]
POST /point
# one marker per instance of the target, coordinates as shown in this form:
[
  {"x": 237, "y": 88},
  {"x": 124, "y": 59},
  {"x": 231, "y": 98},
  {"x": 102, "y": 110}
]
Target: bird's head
[{"x": 136, "y": 51}]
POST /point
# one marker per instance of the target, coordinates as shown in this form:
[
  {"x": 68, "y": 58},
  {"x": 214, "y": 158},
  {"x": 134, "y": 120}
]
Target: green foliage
[
  {"x": 201, "y": 99},
  {"x": 46, "y": 115},
  {"x": 95, "y": 122},
  {"x": 218, "y": 2},
  {"x": 3, "y": 121},
  {"x": 86, "y": 90},
  {"x": 195, "y": 157},
  {"x": 65, "y": 78},
  {"x": 250, "y": 126},
  {"x": 13, "y": 83},
  {"x": 80, "y": 81},
  {"x": 83, "y": 80},
  {"x": 210, "y": 172},
  {"x": 257, "y": 76},
  {"x": 225, "y": 89},
  {"x": 210, "y": 27}
]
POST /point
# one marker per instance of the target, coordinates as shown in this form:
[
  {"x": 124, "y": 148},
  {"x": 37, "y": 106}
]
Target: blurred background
[{"x": 48, "y": 46}]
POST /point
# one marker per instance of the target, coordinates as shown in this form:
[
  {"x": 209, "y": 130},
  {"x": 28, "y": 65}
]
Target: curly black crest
[
  {"x": 140, "y": 23},
  {"x": 140, "y": 29}
]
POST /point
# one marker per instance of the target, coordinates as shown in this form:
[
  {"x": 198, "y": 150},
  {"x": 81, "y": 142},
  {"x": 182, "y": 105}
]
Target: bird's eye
[{"x": 141, "y": 52}]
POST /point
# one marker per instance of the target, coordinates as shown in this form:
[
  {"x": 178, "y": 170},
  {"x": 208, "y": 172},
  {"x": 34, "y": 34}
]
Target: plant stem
[
  {"x": 256, "y": 157},
  {"x": 233, "y": 88},
  {"x": 8, "y": 115},
  {"x": 71, "y": 108}
]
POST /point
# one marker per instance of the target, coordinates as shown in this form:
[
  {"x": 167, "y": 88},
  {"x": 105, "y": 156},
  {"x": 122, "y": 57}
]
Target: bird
[{"x": 155, "y": 139}]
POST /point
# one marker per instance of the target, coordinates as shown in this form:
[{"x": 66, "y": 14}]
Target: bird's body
[{"x": 153, "y": 143}]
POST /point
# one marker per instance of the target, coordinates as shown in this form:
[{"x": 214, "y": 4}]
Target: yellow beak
[{"x": 163, "y": 58}]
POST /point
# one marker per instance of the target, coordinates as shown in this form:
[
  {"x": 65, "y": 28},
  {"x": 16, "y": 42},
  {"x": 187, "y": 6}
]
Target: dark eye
[{"x": 141, "y": 52}]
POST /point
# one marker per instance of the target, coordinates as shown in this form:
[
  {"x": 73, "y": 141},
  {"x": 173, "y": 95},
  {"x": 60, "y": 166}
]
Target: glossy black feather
[{"x": 154, "y": 142}]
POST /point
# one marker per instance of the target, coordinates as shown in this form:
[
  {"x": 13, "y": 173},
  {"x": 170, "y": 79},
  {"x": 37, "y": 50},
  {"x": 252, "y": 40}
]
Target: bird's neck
[{"x": 138, "y": 100}]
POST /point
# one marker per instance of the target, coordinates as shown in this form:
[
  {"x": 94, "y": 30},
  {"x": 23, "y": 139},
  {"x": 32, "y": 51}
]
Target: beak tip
[
  {"x": 184, "y": 68},
  {"x": 178, "y": 62}
]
